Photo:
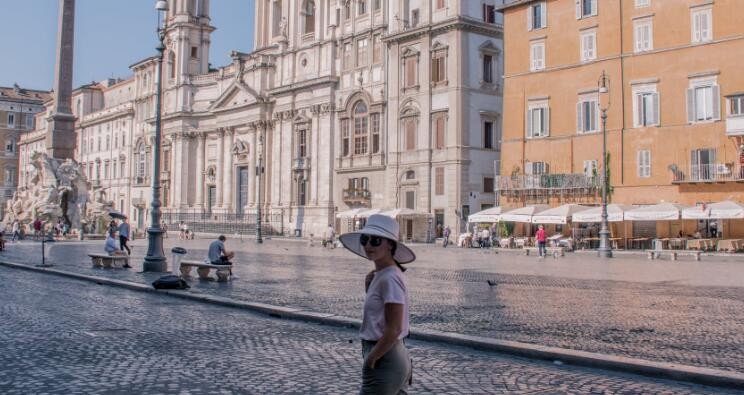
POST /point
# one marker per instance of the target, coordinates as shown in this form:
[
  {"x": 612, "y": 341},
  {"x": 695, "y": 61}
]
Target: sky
[{"x": 110, "y": 35}]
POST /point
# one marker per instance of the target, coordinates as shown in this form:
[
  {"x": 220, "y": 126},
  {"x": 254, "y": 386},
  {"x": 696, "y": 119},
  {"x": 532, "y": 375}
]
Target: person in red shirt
[{"x": 541, "y": 238}]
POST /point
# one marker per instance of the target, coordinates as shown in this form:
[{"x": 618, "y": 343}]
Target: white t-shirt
[{"x": 388, "y": 286}]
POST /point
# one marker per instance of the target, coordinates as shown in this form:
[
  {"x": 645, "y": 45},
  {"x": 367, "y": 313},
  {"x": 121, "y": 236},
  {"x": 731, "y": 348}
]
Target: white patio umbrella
[
  {"x": 523, "y": 214},
  {"x": 366, "y": 213},
  {"x": 350, "y": 213},
  {"x": 558, "y": 215},
  {"x": 404, "y": 213},
  {"x": 655, "y": 212},
  {"x": 726, "y": 209},
  {"x": 489, "y": 215},
  {"x": 615, "y": 213}
]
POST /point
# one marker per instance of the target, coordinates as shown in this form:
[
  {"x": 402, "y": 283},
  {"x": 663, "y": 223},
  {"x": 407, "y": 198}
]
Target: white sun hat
[{"x": 382, "y": 226}]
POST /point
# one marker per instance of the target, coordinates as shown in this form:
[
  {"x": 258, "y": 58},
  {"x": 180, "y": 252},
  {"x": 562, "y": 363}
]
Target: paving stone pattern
[
  {"x": 64, "y": 336},
  {"x": 658, "y": 321}
]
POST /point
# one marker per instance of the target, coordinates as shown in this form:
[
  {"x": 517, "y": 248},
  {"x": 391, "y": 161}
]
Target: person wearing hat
[{"x": 387, "y": 365}]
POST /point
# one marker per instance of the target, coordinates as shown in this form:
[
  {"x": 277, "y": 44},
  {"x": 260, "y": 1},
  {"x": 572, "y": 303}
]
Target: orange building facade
[{"x": 674, "y": 102}]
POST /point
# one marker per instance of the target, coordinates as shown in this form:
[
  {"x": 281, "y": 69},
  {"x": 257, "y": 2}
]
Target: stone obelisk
[{"x": 60, "y": 139}]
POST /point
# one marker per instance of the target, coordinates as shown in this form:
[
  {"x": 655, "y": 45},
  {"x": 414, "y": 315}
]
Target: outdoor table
[
  {"x": 697, "y": 244},
  {"x": 709, "y": 244},
  {"x": 639, "y": 242},
  {"x": 614, "y": 241},
  {"x": 730, "y": 245},
  {"x": 590, "y": 240},
  {"x": 677, "y": 243}
]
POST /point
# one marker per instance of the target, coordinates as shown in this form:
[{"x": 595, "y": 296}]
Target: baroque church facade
[{"x": 347, "y": 104}]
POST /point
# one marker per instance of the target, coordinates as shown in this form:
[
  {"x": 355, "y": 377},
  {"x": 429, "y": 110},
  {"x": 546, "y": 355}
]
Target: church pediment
[{"x": 235, "y": 95}]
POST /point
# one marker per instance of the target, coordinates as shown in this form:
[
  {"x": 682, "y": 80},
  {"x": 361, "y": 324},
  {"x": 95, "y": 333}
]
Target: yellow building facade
[{"x": 674, "y": 102}]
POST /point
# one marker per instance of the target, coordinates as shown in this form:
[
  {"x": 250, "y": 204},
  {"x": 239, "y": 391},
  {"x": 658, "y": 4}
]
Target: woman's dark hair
[{"x": 394, "y": 246}]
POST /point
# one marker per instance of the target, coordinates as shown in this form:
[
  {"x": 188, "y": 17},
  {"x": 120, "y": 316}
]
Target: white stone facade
[{"x": 355, "y": 103}]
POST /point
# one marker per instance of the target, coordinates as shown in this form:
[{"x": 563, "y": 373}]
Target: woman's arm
[{"x": 393, "y": 327}]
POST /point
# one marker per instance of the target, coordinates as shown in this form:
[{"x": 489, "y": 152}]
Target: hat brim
[{"x": 403, "y": 254}]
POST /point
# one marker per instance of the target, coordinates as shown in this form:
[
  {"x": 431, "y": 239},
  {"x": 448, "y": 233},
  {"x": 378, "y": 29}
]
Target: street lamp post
[
  {"x": 155, "y": 259},
  {"x": 259, "y": 172},
  {"x": 605, "y": 250}
]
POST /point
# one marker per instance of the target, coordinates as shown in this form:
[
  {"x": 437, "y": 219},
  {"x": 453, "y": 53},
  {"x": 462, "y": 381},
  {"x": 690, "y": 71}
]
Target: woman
[{"x": 387, "y": 365}]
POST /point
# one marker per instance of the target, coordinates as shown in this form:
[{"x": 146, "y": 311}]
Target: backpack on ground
[{"x": 170, "y": 281}]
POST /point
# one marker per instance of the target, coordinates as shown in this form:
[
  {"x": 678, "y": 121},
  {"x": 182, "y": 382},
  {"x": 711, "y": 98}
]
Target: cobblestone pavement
[
  {"x": 685, "y": 312},
  {"x": 63, "y": 336}
]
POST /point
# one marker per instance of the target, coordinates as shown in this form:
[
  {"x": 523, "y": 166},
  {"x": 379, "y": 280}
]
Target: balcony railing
[
  {"x": 356, "y": 196},
  {"x": 712, "y": 172},
  {"x": 547, "y": 181}
]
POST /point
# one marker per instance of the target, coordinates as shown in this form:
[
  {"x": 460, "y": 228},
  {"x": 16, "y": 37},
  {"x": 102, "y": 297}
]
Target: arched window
[
  {"x": 410, "y": 175},
  {"x": 308, "y": 12},
  {"x": 361, "y": 129}
]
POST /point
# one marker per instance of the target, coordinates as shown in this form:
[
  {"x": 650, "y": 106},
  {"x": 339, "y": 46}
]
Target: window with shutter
[
  {"x": 537, "y": 120},
  {"x": 586, "y": 8},
  {"x": 410, "y": 135},
  {"x": 590, "y": 168},
  {"x": 345, "y": 137},
  {"x": 439, "y": 181},
  {"x": 410, "y": 76},
  {"x": 538, "y": 56},
  {"x": 375, "y": 123},
  {"x": 643, "y": 35},
  {"x": 645, "y": 105},
  {"x": 587, "y": 114},
  {"x": 588, "y": 45},
  {"x": 701, "y": 21},
  {"x": 439, "y": 132},
  {"x": 537, "y": 16},
  {"x": 411, "y": 200},
  {"x": 644, "y": 163}
]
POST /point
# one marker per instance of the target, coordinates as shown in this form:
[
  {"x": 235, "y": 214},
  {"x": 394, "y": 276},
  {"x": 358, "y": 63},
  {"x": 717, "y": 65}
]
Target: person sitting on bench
[
  {"x": 110, "y": 246},
  {"x": 217, "y": 253}
]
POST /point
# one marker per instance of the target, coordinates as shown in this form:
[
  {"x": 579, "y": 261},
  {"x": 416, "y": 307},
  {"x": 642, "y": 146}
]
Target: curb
[{"x": 663, "y": 370}]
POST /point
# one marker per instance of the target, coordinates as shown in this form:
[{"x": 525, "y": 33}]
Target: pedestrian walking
[
  {"x": 331, "y": 236},
  {"x": 387, "y": 367},
  {"x": 446, "y": 236},
  {"x": 541, "y": 238},
  {"x": 124, "y": 236},
  {"x": 16, "y": 231},
  {"x": 164, "y": 227}
]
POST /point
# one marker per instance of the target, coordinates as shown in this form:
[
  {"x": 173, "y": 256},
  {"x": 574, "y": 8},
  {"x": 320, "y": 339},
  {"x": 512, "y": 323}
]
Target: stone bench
[
  {"x": 109, "y": 261},
  {"x": 204, "y": 269},
  {"x": 655, "y": 254},
  {"x": 555, "y": 251}
]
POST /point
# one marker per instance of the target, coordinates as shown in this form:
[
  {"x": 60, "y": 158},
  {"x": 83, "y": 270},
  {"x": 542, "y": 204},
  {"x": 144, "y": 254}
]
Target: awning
[
  {"x": 726, "y": 209},
  {"x": 558, "y": 215},
  {"x": 350, "y": 213},
  {"x": 404, "y": 213},
  {"x": 656, "y": 212},
  {"x": 523, "y": 214},
  {"x": 490, "y": 215},
  {"x": 615, "y": 213},
  {"x": 366, "y": 213}
]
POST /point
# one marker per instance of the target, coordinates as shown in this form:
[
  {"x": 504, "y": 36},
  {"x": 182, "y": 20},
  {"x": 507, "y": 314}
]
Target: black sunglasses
[{"x": 374, "y": 241}]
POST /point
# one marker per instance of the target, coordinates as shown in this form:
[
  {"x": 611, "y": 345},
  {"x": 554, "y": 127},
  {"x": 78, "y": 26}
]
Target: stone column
[
  {"x": 200, "y": 158},
  {"x": 253, "y": 162},
  {"x": 220, "y": 174},
  {"x": 228, "y": 170},
  {"x": 176, "y": 176}
]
